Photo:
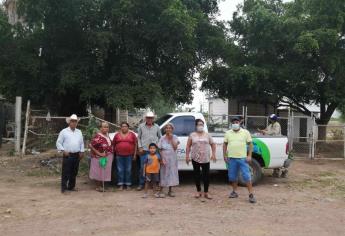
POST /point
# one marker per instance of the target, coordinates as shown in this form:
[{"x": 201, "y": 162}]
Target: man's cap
[
  {"x": 235, "y": 118},
  {"x": 273, "y": 117}
]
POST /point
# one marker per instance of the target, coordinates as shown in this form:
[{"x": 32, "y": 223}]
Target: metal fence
[
  {"x": 42, "y": 130},
  {"x": 328, "y": 141},
  {"x": 299, "y": 129},
  {"x": 300, "y": 136},
  {"x": 306, "y": 138}
]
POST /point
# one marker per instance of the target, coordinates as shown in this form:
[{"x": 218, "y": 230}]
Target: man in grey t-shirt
[{"x": 148, "y": 132}]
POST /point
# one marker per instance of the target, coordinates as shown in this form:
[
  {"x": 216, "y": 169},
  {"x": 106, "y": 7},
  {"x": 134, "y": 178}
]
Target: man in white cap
[
  {"x": 148, "y": 132},
  {"x": 71, "y": 143}
]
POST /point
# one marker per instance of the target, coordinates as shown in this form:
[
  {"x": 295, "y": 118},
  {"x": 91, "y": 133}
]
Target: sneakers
[
  {"x": 145, "y": 195},
  {"x": 233, "y": 194},
  {"x": 252, "y": 198},
  {"x": 157, "y": 195}
]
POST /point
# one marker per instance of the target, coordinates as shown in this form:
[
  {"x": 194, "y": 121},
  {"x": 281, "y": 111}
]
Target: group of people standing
[
  {"x": 158, "y": 156},
  {"x": 124, "y": 149}
]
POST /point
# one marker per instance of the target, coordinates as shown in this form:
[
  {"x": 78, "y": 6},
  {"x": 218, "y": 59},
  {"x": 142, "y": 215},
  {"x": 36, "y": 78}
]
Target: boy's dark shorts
[{"x": 152, "y": 177}]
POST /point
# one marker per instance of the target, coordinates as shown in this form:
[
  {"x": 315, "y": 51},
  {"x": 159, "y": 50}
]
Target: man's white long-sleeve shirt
[{"x": 70, "y": 140}]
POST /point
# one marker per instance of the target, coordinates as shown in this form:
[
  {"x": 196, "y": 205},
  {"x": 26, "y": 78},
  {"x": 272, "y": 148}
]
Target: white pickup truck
[{"x": 269, "y": 151}]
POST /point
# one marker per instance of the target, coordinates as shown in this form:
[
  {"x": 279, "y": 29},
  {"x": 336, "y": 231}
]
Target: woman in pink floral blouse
[{"x": 101, "y": 146}]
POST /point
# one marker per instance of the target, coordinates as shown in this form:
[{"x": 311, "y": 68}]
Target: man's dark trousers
[{"x": 70, "y": 167}]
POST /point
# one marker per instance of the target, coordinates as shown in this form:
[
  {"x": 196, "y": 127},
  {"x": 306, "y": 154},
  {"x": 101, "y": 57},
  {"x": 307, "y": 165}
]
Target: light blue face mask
[{"x": 235, "y": 126}]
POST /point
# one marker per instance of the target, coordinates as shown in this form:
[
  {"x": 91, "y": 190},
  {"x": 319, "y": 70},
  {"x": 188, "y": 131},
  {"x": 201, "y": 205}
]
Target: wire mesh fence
[
  {"x": 297, "y": 128},
  {"x": 306, "y": 139},
  {"x": 329, "y": 141},
  {"x": 43, "y": 130},
  {"x": 253, "y": 123},
  {"x": 220, "y": 123},
  {"x": 301, "y": 134}
]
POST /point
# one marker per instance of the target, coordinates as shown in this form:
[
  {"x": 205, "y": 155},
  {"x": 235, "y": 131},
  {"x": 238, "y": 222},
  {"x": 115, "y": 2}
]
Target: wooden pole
[
  {"x": 18, "y": 120},
  {"x": 27, "y": 117}
]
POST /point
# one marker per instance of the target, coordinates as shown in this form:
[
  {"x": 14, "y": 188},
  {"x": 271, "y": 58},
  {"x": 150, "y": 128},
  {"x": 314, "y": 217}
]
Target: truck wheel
[{"x": 256, "y": 173}]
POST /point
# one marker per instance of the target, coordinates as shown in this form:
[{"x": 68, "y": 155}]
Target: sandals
[
  {"x": 202, "y": 198},
  {"x": 100, "y": 189}
]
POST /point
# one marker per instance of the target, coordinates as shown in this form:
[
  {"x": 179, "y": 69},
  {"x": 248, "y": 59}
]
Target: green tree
[
  {"x": 286, "y": 53},
  {"x": 124, "y": 54},
  {"x": 16, "y": 60}
]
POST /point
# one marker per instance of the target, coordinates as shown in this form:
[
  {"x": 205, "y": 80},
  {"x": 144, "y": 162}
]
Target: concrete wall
[{"x": 217, "y": 106}]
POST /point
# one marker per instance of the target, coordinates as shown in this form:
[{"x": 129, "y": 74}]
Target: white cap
[
  {"x": 72, "y": 117},
  {"x": 150, "y": 114}
]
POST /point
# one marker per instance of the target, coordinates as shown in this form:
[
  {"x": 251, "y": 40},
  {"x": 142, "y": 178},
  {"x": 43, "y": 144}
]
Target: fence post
[
  {"x": 18, "y": 116},
  {"x": 289, "y": 131},
  {"x": 315, "y": 138},
  {"x": 310, "y": 137},
  {"x": 27, "y": 115},
  {"x": 344, "y": 139},
  {"x": 292, "y": 129},
  {"x": 245, "y": 113}
]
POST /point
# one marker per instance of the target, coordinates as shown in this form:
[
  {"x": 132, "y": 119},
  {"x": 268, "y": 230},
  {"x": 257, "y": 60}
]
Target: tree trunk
[{"x": 325, "y": 117}]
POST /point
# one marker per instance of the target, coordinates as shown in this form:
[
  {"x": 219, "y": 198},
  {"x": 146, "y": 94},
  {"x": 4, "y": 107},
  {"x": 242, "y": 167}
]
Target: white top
[
  {"x": 273, "y": 129},
  {"x": 70, "y": 141}
]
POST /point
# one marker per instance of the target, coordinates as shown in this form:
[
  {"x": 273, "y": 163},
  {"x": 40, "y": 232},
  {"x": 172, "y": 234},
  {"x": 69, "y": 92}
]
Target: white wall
[{"x": 217, "y": 106}]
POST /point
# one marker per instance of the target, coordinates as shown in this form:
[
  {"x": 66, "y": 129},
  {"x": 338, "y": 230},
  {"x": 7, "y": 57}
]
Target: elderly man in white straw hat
[
  {"x": 148, "y": 132},
  {"x": 71, "y": 143}
]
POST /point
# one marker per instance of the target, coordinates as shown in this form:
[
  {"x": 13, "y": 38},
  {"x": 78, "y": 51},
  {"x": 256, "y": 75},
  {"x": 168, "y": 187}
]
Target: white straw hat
[
  {"x": 150, "y": 114},
  {"x": 72, "y": 117}
]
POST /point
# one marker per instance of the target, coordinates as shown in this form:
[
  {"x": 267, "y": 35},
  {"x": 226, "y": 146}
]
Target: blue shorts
[{"x": 236, "y": 164}]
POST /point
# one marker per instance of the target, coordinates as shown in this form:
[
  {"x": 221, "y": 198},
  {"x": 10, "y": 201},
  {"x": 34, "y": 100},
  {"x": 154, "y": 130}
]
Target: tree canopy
[
  {"x": 286, "y": 53},
  {"x": 123, "y": 53}
]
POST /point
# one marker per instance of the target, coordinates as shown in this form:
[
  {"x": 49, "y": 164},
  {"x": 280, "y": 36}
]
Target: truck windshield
[{"x": 162, "y": 119}]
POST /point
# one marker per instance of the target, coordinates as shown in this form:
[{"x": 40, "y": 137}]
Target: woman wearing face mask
[{"x": 198, "y": 147}]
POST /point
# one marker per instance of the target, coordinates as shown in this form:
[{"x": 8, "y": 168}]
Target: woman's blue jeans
[{"x": 124, "y": 170}]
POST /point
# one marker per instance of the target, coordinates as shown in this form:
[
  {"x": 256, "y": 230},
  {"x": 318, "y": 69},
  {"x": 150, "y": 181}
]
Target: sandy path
[{"x": 310, "y": 202}]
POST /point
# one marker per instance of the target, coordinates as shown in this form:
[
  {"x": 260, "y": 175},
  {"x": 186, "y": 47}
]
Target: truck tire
[{"x": 256, "y": 173}]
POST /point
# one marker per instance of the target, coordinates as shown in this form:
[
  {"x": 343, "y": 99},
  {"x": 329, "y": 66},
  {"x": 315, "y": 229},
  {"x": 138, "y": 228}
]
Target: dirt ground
[{"x": 311, "y": 201}]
